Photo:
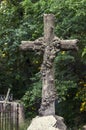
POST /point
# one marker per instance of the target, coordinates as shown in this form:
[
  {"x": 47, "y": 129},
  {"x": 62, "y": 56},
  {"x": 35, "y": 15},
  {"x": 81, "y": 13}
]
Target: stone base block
[{"x": 47, "y": 123}]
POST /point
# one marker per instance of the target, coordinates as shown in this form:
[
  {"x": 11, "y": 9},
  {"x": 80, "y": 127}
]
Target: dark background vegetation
[{"x": 20, "y": 71}]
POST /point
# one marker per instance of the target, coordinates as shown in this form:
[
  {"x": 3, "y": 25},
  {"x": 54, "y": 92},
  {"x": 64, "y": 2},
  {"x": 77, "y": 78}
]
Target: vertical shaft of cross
[{"x": 48, "y": 86}]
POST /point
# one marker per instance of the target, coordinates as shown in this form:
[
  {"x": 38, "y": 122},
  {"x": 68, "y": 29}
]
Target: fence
[{"x": 9, "y": 117}]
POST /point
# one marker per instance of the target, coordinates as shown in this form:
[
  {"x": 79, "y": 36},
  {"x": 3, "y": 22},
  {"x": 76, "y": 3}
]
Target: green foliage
[
  {"x": 13, "y": 72},
  {"x": 32, "y": 97}
]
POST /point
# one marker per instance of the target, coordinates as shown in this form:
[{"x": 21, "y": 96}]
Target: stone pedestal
[{"x": 47, "y": 123}]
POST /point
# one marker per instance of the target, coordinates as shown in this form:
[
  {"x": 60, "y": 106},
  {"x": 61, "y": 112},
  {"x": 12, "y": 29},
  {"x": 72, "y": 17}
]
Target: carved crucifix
[{"x": 49, "y": 45}]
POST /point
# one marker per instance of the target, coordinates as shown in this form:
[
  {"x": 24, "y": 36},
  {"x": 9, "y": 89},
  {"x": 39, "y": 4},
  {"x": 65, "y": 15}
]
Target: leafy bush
[{"x": 32, "y": 97}]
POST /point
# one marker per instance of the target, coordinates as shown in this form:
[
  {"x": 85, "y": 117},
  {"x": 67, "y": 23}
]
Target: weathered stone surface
[
  {"x": 49, "y": 46},
  {"x": 47, "y": 123}
]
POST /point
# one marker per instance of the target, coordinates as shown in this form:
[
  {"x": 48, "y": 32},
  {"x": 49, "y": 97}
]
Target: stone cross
[{"x": 49, "y": 46}]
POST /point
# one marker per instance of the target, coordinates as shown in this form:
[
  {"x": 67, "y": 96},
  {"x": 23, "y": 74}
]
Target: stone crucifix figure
[{"x": 49, "y": 45}]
